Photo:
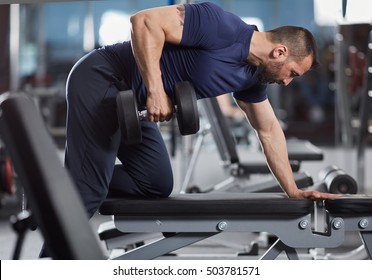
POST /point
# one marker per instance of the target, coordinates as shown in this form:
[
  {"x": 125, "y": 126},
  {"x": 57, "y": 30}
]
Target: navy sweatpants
[{"x": 93, "y": 140}]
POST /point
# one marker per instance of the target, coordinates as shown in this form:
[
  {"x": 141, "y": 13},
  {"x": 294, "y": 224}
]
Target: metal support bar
[
  {"x": 165, "y": 245},
  {"x": 294, "y": 232},
  {"x": 194, "y": 158},
  {"x": 274, "y": 251},
  {"x": 367, "y": 240}
]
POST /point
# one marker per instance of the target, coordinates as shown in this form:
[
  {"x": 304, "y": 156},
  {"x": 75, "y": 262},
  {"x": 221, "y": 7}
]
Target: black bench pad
[
  {"x": 302, "y": 150},
  {"x": 350, "y": 204},
  {"x": 209, "y": 204}
]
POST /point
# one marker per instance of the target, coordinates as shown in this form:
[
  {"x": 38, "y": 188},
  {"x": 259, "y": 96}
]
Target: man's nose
[{"x": 287, "y": 81}]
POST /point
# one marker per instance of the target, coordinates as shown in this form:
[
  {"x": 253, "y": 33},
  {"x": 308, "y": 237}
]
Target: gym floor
[{"x": 213, "y": 248}]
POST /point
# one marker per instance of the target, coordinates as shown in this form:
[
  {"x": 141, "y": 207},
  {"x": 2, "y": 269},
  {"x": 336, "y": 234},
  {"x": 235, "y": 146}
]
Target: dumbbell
[
  {"x": 337, "y": 181},
  {"x": 129, "y": 117}
]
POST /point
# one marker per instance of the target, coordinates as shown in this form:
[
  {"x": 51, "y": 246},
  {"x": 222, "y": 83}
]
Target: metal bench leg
[
  {"x": 274, "y": 251},
  {"x": 367, "y": 240},
  {"x": 165, "y": 245}
]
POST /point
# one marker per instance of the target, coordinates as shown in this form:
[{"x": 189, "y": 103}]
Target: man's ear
[{"x": 280, "y": 51}]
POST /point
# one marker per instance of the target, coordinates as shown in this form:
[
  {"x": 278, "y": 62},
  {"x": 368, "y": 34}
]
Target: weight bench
[
  {"x": 51, "y": 195},
  {"x": 353, "y": 213},
  {"x": 185, "y": 219},
  {"x": 333, "y": 180}
]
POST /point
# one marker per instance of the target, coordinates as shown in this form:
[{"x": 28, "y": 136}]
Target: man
[{"x": 214, "y": 50}]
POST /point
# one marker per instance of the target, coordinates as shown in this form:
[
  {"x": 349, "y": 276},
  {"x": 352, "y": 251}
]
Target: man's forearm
[{"x": 276, "y": 153}]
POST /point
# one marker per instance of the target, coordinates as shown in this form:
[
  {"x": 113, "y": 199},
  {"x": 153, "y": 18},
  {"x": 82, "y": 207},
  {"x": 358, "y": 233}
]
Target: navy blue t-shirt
[{"x": 212, "y": 56}]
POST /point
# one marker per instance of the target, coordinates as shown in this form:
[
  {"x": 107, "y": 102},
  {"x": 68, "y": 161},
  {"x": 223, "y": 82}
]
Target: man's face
[{"x": 283, "y": 71}]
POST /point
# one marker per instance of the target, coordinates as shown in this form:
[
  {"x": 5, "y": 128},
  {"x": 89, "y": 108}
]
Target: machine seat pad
[
  {"x": 350, "y": 204},
  {"x": 209, "y": 204}
]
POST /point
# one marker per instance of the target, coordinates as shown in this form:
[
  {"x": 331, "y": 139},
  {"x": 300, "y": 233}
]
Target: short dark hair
[{"x": 300, "y": 42}]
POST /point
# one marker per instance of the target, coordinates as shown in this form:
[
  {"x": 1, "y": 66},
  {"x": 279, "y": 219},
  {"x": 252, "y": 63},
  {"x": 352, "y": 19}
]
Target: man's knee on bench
[{"x": 144, "y": 189}]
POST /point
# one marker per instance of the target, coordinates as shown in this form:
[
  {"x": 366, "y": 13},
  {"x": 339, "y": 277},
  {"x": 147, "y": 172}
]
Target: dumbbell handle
[{"x": 143, "y": 114}]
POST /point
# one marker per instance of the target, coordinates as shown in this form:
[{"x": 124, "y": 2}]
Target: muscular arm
[
  {"x": 150, "y": 30},
  {"x": 271, "y": 136},
  {"x": 262, "y": 118}
]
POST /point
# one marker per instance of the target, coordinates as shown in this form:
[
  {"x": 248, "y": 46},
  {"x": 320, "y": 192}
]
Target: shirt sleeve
[
  {"x": 255, "y": 94},
  {"x": 208, "y": 26}
]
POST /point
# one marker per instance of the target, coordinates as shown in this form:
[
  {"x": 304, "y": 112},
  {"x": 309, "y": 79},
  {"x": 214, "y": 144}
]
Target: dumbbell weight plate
[
  {"x": 326, "y": 171},
  {"x": 337, "y": 181},
  {"x": 129, "y": 123},
  {"x": 187, "y": 110}
]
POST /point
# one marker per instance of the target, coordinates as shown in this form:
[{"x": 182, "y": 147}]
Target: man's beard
[{"x": 269, "y": 73}]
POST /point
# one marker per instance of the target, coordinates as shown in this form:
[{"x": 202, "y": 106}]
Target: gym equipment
[
  {"x": 337, "y": 181},
  {"x": 184, "y": 219},
  {"x": 53, "y": 200},
  {"x": 239, "y": 179},
  {"x": 21, "y": 223},
  {"x": 188, "y": 218},
  {"x": 129, "y": 117},
  {"x": 351, "y": 74},
  {"x": 332, "y": 179},
  {"x": 365, "y": 118},
  {"x": 6, "y": 173},
  {"x": 239, "y": 172}
]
